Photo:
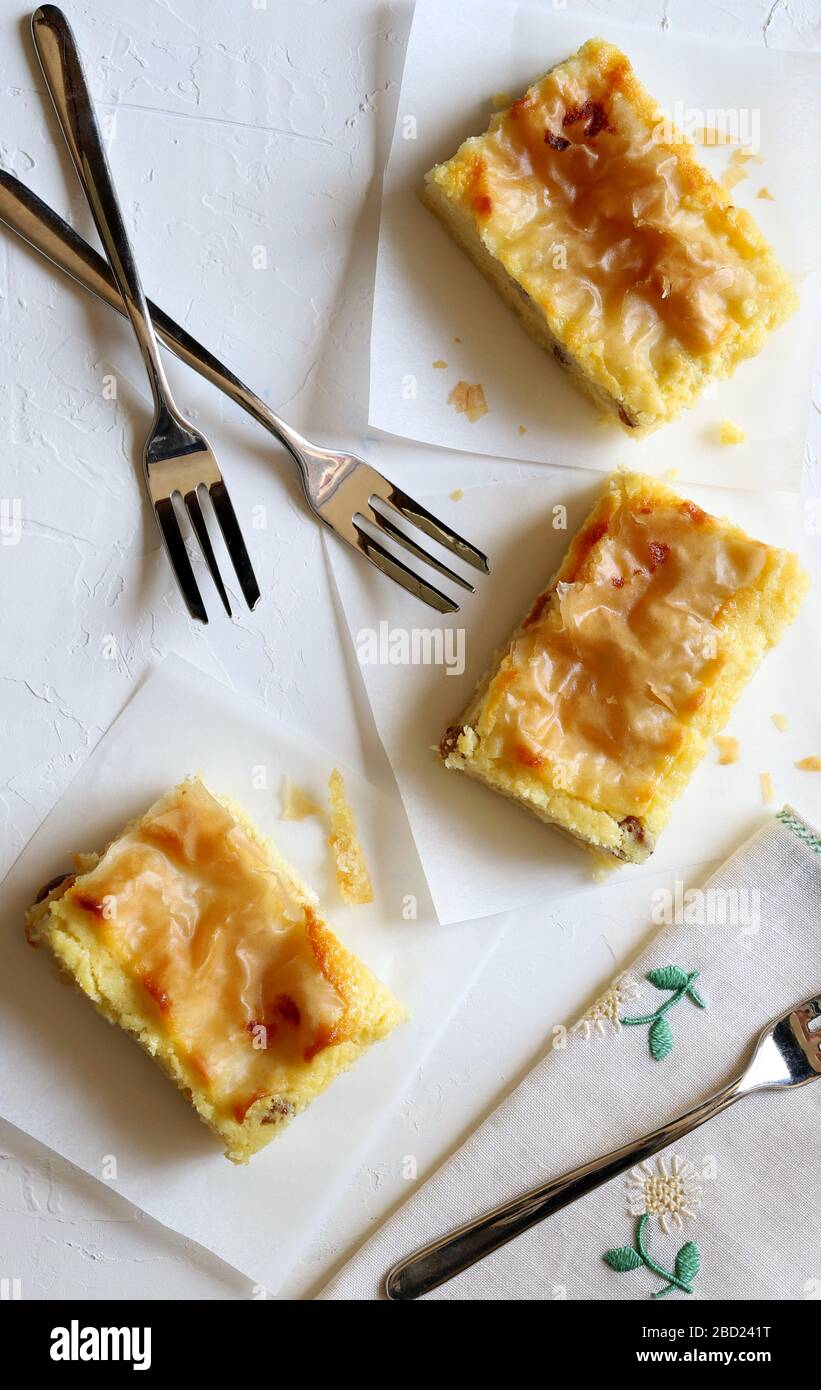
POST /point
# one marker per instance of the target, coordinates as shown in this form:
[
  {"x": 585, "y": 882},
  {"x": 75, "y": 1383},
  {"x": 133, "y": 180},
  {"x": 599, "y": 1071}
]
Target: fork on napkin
[{"x": 732, "y": 1211}]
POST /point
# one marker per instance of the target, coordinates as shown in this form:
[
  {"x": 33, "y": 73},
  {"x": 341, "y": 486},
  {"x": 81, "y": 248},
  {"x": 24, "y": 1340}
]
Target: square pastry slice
[
  {"x": 194, "y": 936},
  {"x": 619, "y": 252},
  {"x": 627, "y": 664}
]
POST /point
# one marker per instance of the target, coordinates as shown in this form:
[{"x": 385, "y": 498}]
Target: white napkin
[{"x": 749, "y": 1178}]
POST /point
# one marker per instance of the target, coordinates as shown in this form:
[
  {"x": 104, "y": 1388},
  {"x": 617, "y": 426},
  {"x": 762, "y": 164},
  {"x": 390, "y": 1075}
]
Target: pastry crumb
[
  {"x": 709, "y": 135},
  {"x": 767, "y": 789},
  {"x": 728, "y": 433},
  {"x": 457, "y": 340},
  {"x": 812, "y": 764},
  {"x": 728, "y": 749},
  {"x": 351, "y": 870},
  {"x": 731, "y": 176},
  {"x": 457, "y": 494},
  {"x": 500, "y": 100},
  {"x": 780, "y": 722},
  {"x": 439, "y": 363},
  {"x": 736, "y": 169},
  {"x": 296, "y": 803},
  {"x": 765, "y": 193},
  {"x": 523, "y": 429},
  {"x": 469, "y": 400}
]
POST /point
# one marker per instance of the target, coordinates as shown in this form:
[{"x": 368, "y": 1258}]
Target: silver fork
[
  {"x": 787, "y": 1053},
  {"x": 178, "y": 459},
  {"x": 343, "y": 491}
]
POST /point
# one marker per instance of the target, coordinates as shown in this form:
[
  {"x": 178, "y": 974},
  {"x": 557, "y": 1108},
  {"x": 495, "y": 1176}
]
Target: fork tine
[
  {"x": 401, "y": 538},
  {"x": 194, "y": 509},
  {"x": 232, "y": 535},
  {"x": 396, "y": 569},
  {"x": 178, "y": 555},
  {"x": 436, "y": 529}
]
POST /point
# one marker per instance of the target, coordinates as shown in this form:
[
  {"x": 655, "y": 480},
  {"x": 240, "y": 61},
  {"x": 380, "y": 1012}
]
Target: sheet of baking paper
[
  {"x": 87, "y": 1090},
  {"x": 432, "y": 305},
  {"x": 481, "y": 852}
]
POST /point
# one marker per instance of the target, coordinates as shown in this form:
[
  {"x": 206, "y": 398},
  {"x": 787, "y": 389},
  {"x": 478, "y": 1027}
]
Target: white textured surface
[{"x": 236, "y": 127}]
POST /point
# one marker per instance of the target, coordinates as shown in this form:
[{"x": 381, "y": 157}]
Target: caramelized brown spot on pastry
[
  {"x": 593, "y": 113},
  {"x": 658, "y": 554},
  {"x": 527, "y": 757},
  {"x": 158, "y": 994}
]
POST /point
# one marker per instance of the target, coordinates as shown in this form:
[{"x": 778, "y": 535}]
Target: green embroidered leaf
[
  {"x": 696, "y": 997},
  {"x": 668, "y": 977},
  {"x": 688, "y": 1262},
  {"x": 660, "y": 1039},
  {"x": 624, "y": 1257}
]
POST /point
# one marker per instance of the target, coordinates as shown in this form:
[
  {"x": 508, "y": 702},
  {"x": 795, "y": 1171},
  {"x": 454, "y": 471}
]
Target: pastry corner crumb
[
  {"x": 469, "y": 400},
  {"x": 728, "y": 433},
  {"x": 296, "y": 804},
  {"x": 728, "y": 749},
  {"x": 351, "y": 870}
]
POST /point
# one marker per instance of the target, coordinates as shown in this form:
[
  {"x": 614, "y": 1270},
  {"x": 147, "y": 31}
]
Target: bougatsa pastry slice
[
  {"x": 626, "y": 666},
  {"x": 620, "y": 253},
  {"x": 192, "y": 933}
]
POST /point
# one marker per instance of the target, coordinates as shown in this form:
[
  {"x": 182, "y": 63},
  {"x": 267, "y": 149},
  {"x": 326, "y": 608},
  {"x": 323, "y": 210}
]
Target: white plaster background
[{"x": 236, "y": 126}]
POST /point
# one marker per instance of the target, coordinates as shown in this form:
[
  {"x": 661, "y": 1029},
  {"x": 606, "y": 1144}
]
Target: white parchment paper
[
  {"x": 482, "y": 853},
  {"x": 86, "y": 1090},
  {"x": 431, "y": 304}
]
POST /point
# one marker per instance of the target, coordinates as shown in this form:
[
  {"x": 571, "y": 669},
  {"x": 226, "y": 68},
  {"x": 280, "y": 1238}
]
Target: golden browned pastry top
[
  {"x": 599, "y": 211},
  {"x": 232, "y": 961},
  {"x": 616, "y": 658}
]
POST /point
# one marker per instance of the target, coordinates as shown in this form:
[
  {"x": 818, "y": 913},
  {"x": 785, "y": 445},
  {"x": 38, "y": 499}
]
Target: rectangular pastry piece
[
  {"x": 619, "y": 252},
  {"x": 194, "y": 936},
  {"x": 626, "y": 666}
]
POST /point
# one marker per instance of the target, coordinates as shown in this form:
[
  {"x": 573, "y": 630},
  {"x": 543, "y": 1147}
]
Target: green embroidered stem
[
  {"x": 798, "y": 828},
  {"x": 674, "y": 998},
  {"x": 627, "y": 1257},
  {"x": 669, "y": 977},
  {"x": 672, "y": 1281}
]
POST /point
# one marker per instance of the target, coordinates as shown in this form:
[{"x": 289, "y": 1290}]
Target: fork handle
[
  {"x": 451, "y": 1254},
  {"x": 63, "y": 71},
  {"x": 48, "y": 233}
]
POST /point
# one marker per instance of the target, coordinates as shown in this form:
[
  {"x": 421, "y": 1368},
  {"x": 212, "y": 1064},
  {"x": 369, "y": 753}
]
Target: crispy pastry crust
[{"x": 746, "y": 624}]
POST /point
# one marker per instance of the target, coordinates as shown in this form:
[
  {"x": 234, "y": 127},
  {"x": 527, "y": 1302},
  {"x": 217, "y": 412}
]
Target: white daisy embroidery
[
  {"x": 669, "y": 1195},
  {"x": 604, "y": 1013}
]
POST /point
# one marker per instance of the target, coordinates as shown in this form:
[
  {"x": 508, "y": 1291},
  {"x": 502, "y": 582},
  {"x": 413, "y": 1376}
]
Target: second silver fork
[
  {"x": 177, "y": 458},
  {"x": 787, "y": 1053}
]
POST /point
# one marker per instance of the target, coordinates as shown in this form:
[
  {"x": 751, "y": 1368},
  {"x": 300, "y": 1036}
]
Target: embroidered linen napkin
[{"x": 733, "y": 1210}]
